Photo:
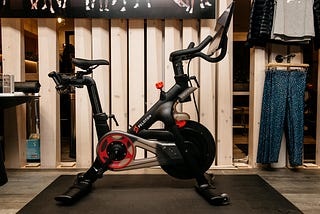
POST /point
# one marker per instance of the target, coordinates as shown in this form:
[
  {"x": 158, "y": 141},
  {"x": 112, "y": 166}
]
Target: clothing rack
[
  {"x": 279, "y": 62},
  {"x": 287, "y": 65}
]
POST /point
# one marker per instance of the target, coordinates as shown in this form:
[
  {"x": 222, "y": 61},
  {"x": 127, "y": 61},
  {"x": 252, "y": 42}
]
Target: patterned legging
[{"x": 282, "y": 110}]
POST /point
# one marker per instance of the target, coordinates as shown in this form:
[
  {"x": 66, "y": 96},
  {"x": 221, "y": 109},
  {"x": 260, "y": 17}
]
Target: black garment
[
  {"x": 261, "y": 20},
  {"x": 316, "y": 15}
]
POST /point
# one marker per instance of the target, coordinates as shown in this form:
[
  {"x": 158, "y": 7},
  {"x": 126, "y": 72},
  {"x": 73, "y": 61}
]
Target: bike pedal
[{"x": 218, "y": 200}]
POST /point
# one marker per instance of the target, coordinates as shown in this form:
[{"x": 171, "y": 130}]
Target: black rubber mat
[{"x": 163, "y": 194}]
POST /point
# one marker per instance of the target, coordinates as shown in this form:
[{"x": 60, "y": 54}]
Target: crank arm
[{"x": 165, "y": 152}]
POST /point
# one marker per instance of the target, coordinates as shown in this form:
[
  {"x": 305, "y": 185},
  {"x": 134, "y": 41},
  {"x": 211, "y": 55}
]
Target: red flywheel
[{"x": 117, "y": 147}]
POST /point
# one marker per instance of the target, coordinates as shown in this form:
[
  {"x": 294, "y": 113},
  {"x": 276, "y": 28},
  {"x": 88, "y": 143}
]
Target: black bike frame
[
  {"x": 163, "y": 110},
  {"x": 160, "y": 111}
]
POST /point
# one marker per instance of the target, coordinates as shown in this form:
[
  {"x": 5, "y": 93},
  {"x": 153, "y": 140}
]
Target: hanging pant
[{"x": 282, "y": 111}]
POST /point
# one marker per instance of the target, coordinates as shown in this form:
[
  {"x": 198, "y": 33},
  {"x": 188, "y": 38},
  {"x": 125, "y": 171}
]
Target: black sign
[{"x": 145, "y": 9}]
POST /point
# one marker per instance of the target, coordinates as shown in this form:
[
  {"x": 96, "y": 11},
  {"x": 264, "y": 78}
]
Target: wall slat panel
[
  {"x": 83, "y": 48},
  {"x": 155, "y": 61},
  {"x": 224, "y": 80},
  {"x": 318, "y": 118},
  {"x": 257, "y": 74},
  {"x": 119, "y": 72},
  {"x": 207, "y": 90},
  {"x": 101, "y": 50},
  {"x": 49, "y": 100},
  {"x": 207, "y": 81},
  {"x": 136, "y": 75}
]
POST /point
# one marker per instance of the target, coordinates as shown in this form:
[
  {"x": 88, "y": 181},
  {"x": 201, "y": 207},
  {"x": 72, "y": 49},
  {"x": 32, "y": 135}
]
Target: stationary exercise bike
[{"x": 184, "y": 149}]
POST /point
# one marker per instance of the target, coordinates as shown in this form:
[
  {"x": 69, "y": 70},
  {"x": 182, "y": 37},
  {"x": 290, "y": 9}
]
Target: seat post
[
  {"x": 100, "y": 118},
  {"x": 93, "y": 94}
]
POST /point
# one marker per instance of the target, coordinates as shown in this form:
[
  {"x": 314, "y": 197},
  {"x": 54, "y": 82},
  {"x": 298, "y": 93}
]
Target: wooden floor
[{"x": 301, "y": 187}]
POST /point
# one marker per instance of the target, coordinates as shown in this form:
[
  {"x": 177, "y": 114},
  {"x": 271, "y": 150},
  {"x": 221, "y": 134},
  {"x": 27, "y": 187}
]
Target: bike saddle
[{"x": 86, "y": 64}]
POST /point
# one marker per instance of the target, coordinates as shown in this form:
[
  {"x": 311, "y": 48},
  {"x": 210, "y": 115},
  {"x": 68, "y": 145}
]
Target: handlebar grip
[
  {"x": 222, "y": 47},
  {"x": 190, "y": 51},
  {"x": 56, "y": 78}
]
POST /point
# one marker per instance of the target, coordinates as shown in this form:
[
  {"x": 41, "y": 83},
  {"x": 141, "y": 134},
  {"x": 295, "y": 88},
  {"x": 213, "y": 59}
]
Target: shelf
[
  {"x": 241, "y": 93},
  {"x": 14, "y": 99}
]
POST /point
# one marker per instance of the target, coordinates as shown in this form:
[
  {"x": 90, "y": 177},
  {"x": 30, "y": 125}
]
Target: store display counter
[{"x": 7, "y": 101}]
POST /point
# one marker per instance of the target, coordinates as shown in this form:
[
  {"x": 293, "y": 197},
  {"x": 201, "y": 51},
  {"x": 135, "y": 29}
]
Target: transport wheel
[{"x": 202, "y": 146}]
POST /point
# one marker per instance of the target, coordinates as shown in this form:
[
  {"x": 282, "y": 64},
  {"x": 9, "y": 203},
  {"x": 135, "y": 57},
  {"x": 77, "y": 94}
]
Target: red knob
[{"x": 159, "y": 85}]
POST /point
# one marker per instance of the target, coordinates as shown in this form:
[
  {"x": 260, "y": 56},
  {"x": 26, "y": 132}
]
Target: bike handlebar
[
  {"x": 219, "y": 42},
  {"x": 87, "y": 66},
  {"x": 192, "y": 52},
  {"x": 64, "y": 81},
  {"x": 223, "y": 47},
  {"x": 57, "y": 78}
]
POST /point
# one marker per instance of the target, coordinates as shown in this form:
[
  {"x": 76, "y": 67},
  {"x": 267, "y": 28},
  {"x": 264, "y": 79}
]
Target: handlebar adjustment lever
[{"x": 113, "y": 117}]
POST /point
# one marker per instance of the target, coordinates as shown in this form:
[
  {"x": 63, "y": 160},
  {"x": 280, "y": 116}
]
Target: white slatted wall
[{"x": 138, "y": 51}]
